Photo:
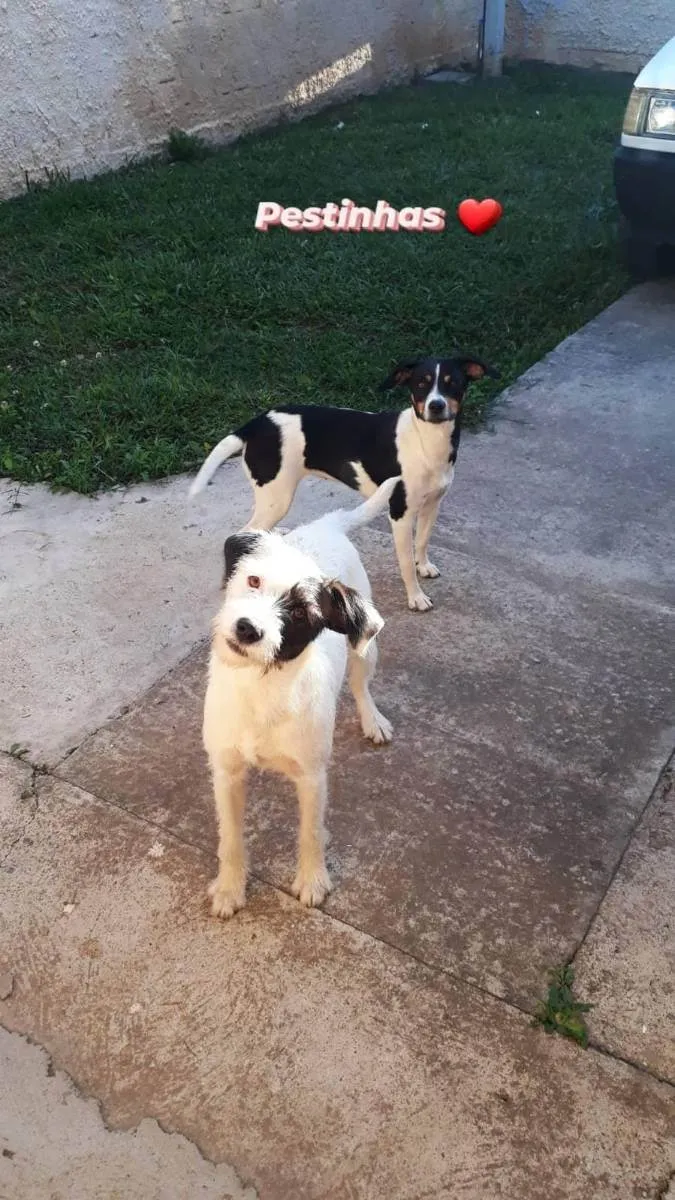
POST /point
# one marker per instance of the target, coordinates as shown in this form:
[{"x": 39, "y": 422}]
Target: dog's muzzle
[
  {"x": 437, "y": 410},
  {"x": 246, "y": 632}
]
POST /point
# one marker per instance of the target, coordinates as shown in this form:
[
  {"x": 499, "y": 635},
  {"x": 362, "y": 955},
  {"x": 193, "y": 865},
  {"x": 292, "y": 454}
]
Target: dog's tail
[
  {"x": 230, "y": 447},
  {"x": 352, "y": 518}
]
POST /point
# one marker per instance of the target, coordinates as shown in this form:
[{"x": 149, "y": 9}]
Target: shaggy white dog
[{"x": 296, "y": 609}]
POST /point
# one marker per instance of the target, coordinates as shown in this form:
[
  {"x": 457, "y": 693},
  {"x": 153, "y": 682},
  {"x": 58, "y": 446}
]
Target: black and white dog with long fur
[
  {"x": 362, "y": 450},
  {"x": 296, "y": 613}
]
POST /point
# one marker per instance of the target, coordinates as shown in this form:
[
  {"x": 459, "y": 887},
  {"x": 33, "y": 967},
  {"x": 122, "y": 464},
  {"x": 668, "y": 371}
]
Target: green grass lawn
[{"x": 141, "y": 315}]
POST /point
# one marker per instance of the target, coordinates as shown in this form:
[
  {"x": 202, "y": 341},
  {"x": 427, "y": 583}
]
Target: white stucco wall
[
  {"x": 84, "y": 84},
  {"x": 87, "y": 84},
  {"x": 617, "y": 34}
]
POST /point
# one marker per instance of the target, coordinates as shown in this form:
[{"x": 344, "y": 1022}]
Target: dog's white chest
[
  {"x": 255, "y": 721},
  {"x": 273, "y": 721},
  {"x": 423, "y": 452},
  {"x": 269, "y": 747},
  {"x": 432, "y": 485}
]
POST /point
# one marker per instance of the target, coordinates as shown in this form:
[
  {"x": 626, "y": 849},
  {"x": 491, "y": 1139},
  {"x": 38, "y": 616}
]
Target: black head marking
[
  {"x": 444, "y": 379},
  {"x": 235, "y": 548},
  {"x": 346, "y": 611},
  {"x": 302, "y": 620},
  {"x": 422, "y": 370}
]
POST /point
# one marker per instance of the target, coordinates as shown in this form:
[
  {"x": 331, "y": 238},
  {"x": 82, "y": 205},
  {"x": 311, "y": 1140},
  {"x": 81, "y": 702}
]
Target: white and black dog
[
  {"x": 362, "y": 450},
  {"x": 296, "y": 609}
]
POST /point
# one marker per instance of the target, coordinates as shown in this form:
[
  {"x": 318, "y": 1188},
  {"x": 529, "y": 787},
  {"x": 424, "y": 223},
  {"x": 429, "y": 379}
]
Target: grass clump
[
  {"x": 186, "y": 147},
  {"x": 561, "y": 1012}
]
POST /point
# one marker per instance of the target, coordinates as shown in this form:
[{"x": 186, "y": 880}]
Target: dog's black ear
[
  {"x": 400, "y": 375},
  {"x": 474, "y": 368},
  {"x": 345, "y": 610},
  {"x": 234, "y": 549}
]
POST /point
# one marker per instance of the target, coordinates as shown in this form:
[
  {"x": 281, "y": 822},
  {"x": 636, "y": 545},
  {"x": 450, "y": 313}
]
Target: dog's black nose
[
  {"x": 246, "y": 632},
  {"x": 437, "y": 406}
]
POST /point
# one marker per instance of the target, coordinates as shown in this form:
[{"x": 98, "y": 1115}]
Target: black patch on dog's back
[
  {"x": 262, "y": 453},
  {"x": 337, "y": 437},
  {"x": 301, "y": 621}
]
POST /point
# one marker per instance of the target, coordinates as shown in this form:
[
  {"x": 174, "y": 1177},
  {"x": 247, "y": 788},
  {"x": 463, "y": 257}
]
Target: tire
[{"x": 642, "y": 257}]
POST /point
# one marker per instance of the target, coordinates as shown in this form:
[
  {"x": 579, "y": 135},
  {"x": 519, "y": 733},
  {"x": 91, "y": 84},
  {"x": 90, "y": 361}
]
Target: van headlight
[
  {"x": 661, "y": 116},
  {"x": 650, "y": 113}
]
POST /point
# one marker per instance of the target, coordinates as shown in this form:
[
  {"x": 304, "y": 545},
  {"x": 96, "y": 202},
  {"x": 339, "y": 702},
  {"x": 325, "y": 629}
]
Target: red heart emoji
[{"x": 477, "y": 216}]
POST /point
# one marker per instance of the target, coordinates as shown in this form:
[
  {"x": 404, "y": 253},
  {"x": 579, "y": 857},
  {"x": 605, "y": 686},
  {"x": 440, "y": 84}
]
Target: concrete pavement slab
[
  {"x": 577, "y": 475},
  {"x": 312, "y": 1059},
  {"x": 571, "y": 677},
  {"x": 486, "y": 864},
  {"x": 626, "y": 966}
]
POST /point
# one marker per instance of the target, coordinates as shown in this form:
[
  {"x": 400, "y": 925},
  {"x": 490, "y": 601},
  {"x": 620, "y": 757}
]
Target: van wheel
[{"x": 641, "y": 256}]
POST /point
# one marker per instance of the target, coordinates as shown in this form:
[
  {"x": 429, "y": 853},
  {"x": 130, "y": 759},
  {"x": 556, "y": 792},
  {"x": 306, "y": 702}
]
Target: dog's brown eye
[
  {"x": 298, "y": 613},
  {"x": 253, "y": 581}
]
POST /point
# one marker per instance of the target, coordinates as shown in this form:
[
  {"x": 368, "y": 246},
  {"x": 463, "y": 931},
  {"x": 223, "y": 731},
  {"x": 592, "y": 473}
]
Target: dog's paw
[
  {"x": 227, "y": 896},
  {"x": 377, "y": 729},
  {"x": 420, "y": 602},
  {"x": 312, "y": 887},
  {"x": 427, "y": 570}
]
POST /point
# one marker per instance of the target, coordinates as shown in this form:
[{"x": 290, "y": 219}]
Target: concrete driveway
[{"x": 523, "y": 817}]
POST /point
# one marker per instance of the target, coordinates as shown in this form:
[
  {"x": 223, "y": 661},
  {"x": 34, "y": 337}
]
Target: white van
[{"x": 644, "y": 165}]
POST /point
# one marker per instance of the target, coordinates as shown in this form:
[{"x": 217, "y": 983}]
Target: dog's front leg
[
  {"x": 425, "y": 524},
  {"x": 402, "y": 530},
  {"x": 312, "y": 882},
  {"x": 228, "y": 889}
]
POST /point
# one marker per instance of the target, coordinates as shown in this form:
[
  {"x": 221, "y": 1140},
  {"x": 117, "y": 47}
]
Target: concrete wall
[
  {"x": 617, "y": 34},
  {"x": 88, "y": 83}
]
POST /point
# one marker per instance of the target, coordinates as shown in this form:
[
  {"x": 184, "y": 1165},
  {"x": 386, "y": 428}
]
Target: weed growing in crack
[{"x": 561, "y": 1012}]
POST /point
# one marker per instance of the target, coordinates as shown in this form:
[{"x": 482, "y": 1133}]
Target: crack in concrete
[
  {"x": 30, "y": 792},
  {"x": 128, "y": 706},
  {"x": 661, "y": 788}
]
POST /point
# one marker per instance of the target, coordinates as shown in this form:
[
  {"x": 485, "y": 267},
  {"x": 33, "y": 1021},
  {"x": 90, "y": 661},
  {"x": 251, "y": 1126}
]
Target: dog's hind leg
[
  {"x": 361, "y": 671},
  {"x": 272, "y": 502},
  {"x": 228, "y": 890},
  {"x": 312, "y": 882}
]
